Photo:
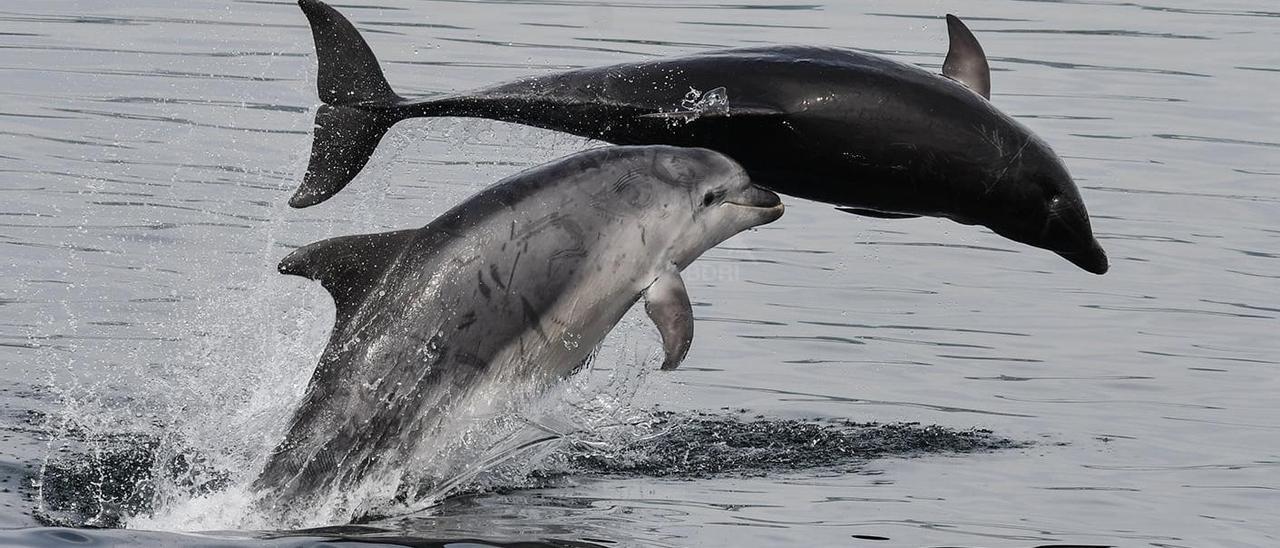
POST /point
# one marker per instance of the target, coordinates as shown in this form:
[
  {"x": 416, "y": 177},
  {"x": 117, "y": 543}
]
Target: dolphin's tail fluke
[
  {"x": 359, "y": 105},
  {"x": 345, "y": 138}
]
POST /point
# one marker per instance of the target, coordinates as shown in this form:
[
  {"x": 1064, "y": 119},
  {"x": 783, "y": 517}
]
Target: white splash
[
  {"x": 217, "y": 398},
  {"x": 696, "y": 103}
]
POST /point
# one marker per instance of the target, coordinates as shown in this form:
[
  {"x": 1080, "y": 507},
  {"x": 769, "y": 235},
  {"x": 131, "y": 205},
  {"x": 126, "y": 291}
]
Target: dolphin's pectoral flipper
[
  {"x": 966, "y": 62},
  {"x": 359, "y": 105},
  {"x": 876, "y": 214},
  {"x": 668, "y": 306},
  {"x": 347, "y": 266}
]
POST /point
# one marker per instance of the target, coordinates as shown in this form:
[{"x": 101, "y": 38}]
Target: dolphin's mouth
[
  {"x": 1068, "y": 234},
  {"x": 759, "y": 199},
  {"x": 1093, "y": 259}
]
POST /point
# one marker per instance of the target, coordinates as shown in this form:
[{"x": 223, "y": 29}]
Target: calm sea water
[{"x": 147, "y": 149}]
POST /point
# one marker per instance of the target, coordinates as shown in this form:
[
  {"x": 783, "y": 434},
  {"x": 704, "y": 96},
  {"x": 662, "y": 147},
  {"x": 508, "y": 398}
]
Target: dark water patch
[
  {"x": 915, "y": 328},
  {"x": 1060, "y": 117},
  {"x": 485, "y": 65},
  {"x": 938, "y": 18},
  {"x": 1109, "y": 402},
  {"x": 933, "y": 244},
  {"x": 90, "y": 479},
  {"x": 1218, "y": 140},
  {"x": 1242, "y": 305},
  {"x": 412, "y": 24},
  {"x": 1259, "y": 254},
  {"x": 98, "y": 487},
  {"x": 171, "y": 120},
  {"x": 545, "y": 46},
  {"x": 138, "y": 52},
  {"x": 175, "y": 74},
  {"x": 640, "y": 42},
  {"x": 1106, "y": 68},
  {"x": 1224, "y": 423},
  {"x": 806, "y": 338},
  {"x": 709, "y": 445},
  {"x": 180, "y": 208},
  {"x": 64, "y": 245},
  {"x": 553, "y": 25},
  {"x": 1098, "y": 97},
  {"x": 1158, "y": 468},
  {"x": 745, "y": 321},
  {"x": 775, "y": 250},
  {"x": 327, "y": 537},
  {"x": 135, "y": 100},
  {"x": 1095, "y": 136},
  {"x": 1222, "y": 12},
  {"x": 14, "y": 17},
  {"x": 1201, "y": 357},
  {"x": 1244, "y": 197},
  {"x": 81, "y": 142},
  {"x": 1023, "y": 379},
  {"x": 1172, "y": 310},
  {"x": 750, "y": 25},
  {"x": 1101, "y": 32},
  {"x": 1253, "y": 274},
  {"x": 862, "y": 339},
  {"x": 813, "y": 396},
  {"x": 645, "y": 5},
  {"x": 94, "y": 480},
  {"x": 344, "y": 6},
  {"x": 35, "y": 116},
  {"x": 816, "y": 361},
  {"x": 869, "y": 289},
  {"x": 1142, "y": 238},
  {"x": 989, "y": 359}
]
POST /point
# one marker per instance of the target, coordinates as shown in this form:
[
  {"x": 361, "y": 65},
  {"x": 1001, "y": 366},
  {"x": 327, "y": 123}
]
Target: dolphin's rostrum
[
  {"x": 870, "y": 134},
  {"x": 514, "y": 287}
]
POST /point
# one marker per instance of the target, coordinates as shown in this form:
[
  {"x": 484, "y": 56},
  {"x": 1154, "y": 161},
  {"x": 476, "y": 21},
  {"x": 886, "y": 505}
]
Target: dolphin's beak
[
  {"x": 758, "y": 198},
  {"x": 1067, "y": 233},
  {"x": 1092, "y": 259}
]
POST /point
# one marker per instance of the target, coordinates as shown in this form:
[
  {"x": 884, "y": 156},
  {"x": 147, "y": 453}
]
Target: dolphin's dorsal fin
[
  {"x": 966, "y": 62},
  {"x": 347, "y": 266}
]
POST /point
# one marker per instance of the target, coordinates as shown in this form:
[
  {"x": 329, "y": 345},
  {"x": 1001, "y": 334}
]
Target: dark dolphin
[
  {"x": 872, "y": 135},
  {"x": 507, "y": 292}
]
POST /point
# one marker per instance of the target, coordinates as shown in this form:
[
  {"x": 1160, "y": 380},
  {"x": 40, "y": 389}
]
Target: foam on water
[
  {"x": 193, "y": 469},
  {"x": 233, "y": 432}
]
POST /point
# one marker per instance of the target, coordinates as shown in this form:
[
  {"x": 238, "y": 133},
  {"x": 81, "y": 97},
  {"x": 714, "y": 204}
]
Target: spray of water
[
  {"x": 220, "y": 449},
  {"x": 173, "y": 440}
]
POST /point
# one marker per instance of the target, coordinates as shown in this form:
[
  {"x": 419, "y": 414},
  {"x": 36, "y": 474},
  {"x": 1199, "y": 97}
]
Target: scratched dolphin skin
[
  {"x": 514, "y": 287},
  {"x": 872, "y": 135}
]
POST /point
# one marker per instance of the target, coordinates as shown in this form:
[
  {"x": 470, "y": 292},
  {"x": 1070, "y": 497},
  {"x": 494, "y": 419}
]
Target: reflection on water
[{"x": 147, "y": 150}]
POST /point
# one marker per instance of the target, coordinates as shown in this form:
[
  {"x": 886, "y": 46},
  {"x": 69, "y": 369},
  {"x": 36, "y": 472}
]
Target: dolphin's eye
[{"x": 710, "y": 198}]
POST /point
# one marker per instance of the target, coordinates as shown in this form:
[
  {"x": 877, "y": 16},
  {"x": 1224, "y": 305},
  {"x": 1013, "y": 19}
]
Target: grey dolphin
[
  {"x": 515, "y": 286},
  {"x": 872, "y": 135}
]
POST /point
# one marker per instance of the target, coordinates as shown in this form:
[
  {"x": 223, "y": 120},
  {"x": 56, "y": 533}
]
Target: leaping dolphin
[
  {"x": 870, "y": 134},
  {"x": 515, "y": 286}
]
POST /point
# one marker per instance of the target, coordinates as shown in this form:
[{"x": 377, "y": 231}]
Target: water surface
[{"x": 147, "y": 150}]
